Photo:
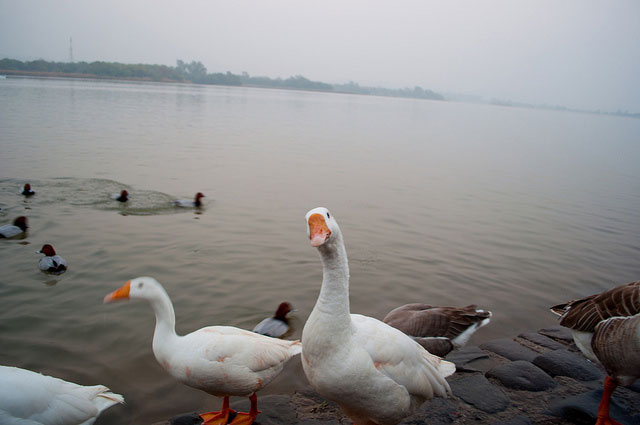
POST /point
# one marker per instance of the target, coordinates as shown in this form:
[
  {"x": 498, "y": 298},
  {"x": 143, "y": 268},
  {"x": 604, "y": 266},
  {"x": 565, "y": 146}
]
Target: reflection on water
[{"x": 514, "y": 210}]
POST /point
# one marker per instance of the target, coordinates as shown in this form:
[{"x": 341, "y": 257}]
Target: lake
[{"x": 446, "y": 203}]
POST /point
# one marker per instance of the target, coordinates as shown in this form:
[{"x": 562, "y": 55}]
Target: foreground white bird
[
  {"x": 377, "y": 374},
  {"x": 606, "y": 328},
  {"x": 29, "y": 398},
  {"x": 438, "y": 329},
  {"x": 220, "y": 360}
]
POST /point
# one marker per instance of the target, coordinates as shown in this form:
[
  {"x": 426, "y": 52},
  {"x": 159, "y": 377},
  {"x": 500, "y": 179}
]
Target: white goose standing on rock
[
  {"x": 374, "y": 372},
  {"x": 220, "y": 360},
  {"x": 606, "y": 328}
]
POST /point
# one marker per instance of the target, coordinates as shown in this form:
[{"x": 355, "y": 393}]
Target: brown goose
[
  {"x": 606, "y": 328},
  {"x": 438, "y": 329}
]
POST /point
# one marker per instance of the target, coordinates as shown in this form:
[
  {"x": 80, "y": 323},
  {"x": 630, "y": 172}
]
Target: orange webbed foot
[
  {"x": 607, "y": 421},
  {"x": 243, "y": 419},
  {"x": 247, "y": 418},
  {"x": 218, "y": 418}
]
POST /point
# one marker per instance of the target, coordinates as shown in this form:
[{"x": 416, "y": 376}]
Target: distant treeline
[{"x": 194, "y": 72}]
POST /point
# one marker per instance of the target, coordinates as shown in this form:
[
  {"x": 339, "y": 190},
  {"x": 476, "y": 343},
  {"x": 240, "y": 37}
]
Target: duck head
[
  {"x": 322, "y": 228},
  {"x": 199, "y": 196},
  {"x": 21, "y": 222},
  {"x": 47, "y": 250},
  {"x": 283, "y": 309}
]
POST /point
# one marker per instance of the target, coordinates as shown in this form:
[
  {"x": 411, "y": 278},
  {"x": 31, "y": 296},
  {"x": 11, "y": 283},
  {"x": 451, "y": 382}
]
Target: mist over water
[{"x": 445, "y": 203}]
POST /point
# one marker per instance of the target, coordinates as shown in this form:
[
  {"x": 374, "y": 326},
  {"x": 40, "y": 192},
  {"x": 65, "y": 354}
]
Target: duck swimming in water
[
  {"x": 122, "y": 197},
  {"x": 27, "y": 191},
  {"x": 186, "y": 203},
  {"x": 278, "y": 325},
  {"x": 18, "y": 228},
  {"x": 51, "y": 262}
]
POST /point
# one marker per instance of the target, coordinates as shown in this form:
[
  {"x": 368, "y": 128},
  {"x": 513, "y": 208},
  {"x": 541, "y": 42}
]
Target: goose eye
[
  {"x": 328, "y": 215},
  {"x": 140, "y": 285}
]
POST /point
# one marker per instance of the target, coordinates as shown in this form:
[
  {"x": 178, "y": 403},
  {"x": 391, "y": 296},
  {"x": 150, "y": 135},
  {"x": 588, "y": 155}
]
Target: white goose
[
  {"x": 377, "y": 374},
  {"x": 29, "y": 398},
  {"x": 220, "y": 360},
  {"x": 606, "y": 328}
]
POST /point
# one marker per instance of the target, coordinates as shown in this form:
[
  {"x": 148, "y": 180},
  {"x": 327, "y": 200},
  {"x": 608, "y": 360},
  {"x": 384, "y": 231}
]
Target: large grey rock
[
  {"x": 518, "y": 420},
  {"x": 583, "y": 408},
  {"x": 466, "y": 355},
  {"x": 479, "y": 392},
  {"x": 437, "y": 411},
  {"x": 557, "y": 332},
  {"x": 542, "y": 340},
  {"x": 186, "y": 419},
  {"x": 522, "y": 375},
  {"x": 510, "y": 349},
  {"x": 566, "y": 363}
]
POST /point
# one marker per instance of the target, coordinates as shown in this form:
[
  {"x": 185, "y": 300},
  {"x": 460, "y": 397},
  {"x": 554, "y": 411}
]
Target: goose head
[
  {"x": 146, "y": 288},
  {"x": 322, "y": 227}
]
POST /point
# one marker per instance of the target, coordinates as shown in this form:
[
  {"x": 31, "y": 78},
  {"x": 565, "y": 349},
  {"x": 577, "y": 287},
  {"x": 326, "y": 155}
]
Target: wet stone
[
  {"x": 466, "y": 355},
  {"x": 557, "y": 332},
  {"x": 522, "y": 375},
  {"x": 510, "y": 349},
  {"x": 566, "y": 363},
  {"x": 479, "y": 392},
  {"x": 542, "y": 340},
  {"x": 437, "y": 411},
  {"x": 186, "y": 419},
  {"x": 518, "y": 420},
  {"x": 583, "y": 408}
]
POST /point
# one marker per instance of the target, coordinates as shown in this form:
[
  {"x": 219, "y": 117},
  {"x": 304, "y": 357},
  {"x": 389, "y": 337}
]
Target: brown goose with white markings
[
  {"x": 606, "y": 328},
  {"x": 438, "y": 329}
]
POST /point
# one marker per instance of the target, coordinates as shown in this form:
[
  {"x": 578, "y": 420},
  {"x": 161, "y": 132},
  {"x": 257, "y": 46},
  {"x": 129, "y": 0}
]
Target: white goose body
[
  {"x": 376, "y": 373},
  {"x": 29, "y": 398},
  {"x": 220, "y": 360}
]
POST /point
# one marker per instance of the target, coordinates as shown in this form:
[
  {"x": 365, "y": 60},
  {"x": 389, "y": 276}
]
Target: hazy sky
[{"x": 577, "y": 53}]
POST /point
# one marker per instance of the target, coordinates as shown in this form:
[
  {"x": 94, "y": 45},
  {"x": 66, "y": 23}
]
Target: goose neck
[{"x": 334, "y": 294}]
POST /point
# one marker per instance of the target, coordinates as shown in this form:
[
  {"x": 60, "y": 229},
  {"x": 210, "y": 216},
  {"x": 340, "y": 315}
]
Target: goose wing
[
  {"x": 401, "y": 359},
  {"x": 584, "y": 314}
]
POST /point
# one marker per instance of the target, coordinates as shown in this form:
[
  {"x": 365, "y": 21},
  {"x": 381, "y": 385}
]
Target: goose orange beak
[
  {"x": 121, "y": 293},
  {"x": 318, "y": 230}
]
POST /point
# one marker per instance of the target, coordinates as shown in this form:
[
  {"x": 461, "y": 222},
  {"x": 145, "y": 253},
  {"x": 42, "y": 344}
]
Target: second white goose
[{"x": 374, "y": 372}]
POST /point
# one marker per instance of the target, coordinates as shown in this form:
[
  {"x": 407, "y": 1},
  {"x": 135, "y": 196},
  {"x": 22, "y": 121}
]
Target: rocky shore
[{"x": 534, "y": 378}]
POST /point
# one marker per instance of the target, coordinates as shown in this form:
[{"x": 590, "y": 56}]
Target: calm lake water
[{"x": 445, "y": 203}]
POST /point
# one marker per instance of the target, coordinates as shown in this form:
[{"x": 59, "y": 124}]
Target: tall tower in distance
[{"x": 70, "y": 49}]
